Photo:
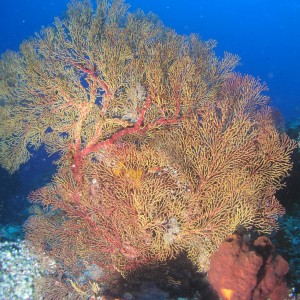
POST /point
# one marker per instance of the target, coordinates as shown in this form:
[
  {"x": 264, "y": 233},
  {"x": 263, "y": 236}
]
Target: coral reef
[
  {"x": 163, "y": 148},
  {"x": 287, "y": 239}
]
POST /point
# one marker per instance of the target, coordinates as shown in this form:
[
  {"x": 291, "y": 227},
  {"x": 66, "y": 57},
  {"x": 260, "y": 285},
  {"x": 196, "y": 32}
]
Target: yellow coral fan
[{"x": 163, "y": 149}]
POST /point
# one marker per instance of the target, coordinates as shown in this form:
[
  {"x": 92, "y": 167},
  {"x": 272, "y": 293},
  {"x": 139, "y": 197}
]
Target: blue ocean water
[{"x": 265, "y": 34}]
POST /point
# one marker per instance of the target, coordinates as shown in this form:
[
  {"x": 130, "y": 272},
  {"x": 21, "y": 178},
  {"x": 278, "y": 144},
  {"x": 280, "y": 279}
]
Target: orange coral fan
[
  {"x": 233, "y": 159},
  {"x": 163, "y": 148}
]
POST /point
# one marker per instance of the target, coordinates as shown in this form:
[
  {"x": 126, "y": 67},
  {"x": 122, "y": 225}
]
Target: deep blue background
[{"x": 265, "y": 34}]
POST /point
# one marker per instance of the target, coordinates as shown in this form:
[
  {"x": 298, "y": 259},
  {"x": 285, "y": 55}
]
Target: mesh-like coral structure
[{"x": 163, "y": 148}]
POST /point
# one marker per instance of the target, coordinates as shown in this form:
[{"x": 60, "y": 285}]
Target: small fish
[{"x": 155, "y": 170}]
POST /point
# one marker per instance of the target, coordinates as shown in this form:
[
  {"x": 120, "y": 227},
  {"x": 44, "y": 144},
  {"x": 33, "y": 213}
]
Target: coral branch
[{"x": 163, "y": 150}]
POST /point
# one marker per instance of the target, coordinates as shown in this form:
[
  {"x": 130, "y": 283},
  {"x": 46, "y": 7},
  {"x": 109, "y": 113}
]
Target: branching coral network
[{"x": 163, "y": 148}]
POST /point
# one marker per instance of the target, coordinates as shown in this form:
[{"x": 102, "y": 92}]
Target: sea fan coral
[{"x": 163, "y": 148}]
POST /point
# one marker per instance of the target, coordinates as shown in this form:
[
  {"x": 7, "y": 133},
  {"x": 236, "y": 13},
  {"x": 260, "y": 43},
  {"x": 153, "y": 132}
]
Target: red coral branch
[{"x": 137, "y": 128}]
